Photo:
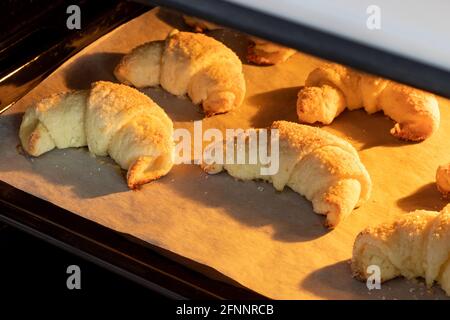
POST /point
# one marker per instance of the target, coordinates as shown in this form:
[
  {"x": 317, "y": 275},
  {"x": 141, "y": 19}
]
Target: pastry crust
[
  {"x": 416, "y": 245},
  {"x": 142, "y": 67},
  {"x": 331, "y": 89},
  {"x": 110, "y": 119},
  {"x": 262, "y": 52},
  {"x": 55, "y": 121},
  {"x": 316, "y": 164},
  {"x": 443, "y": 179},
  {"x": 188, "y": 63},
  {"x": 200, "y": 25}
]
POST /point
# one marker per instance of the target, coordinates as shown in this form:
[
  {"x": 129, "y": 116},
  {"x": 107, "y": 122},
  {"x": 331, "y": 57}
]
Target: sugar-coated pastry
[
  {"x": 314, "y": 163},
  {"x": 187, "y": 63},
  {"x": 111, "y": 119},
  {"x": 416, "y": 245},
  {"x": 331, "y": 89}
]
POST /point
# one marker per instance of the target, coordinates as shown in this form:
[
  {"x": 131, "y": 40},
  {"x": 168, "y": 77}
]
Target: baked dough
[
  {"x": 200, "y": 25},
  {"x": 187, "y": 63},
  {"x": 443, "y": 179},
  {"x": 331, "y": 89},
  {"x": 314, "y": 163},
  {"x": 111, "y": 119},
  {"x": 263, "y": 52},
  {"x": 416, "y": 245}
]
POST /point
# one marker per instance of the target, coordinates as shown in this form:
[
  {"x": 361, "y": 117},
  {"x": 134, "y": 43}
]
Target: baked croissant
[
  {"x": 314, "y": 163},
  {"x": 443, "y": 179},
  {"x": 111, "y": 119},
  {"x": 263, "y": 52},
  {"x": 260, "y": 52},
  {"x": 330, "y": 89},
  {"x": 187, "y": 63},
  {"x": 417, "y": 245},
  {"x": 200, "y": 25}
]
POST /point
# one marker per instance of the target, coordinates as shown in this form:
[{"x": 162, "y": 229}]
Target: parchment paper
[{"x": 271, "y": 242}]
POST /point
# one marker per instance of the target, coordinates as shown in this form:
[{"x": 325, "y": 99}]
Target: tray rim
[{"x": 111, "y": 250}]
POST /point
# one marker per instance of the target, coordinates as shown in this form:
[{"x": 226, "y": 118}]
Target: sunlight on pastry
[
  {"x": 362, "y": 173},
  {"x": 110, "y": 119}
]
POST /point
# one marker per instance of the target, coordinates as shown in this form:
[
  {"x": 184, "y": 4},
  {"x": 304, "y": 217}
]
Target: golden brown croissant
[
  {"x": 314, "y": 163},
  {"x": 200, "y": 25},
  {"x": 330, "y": 89},
  {"x": 263, "y": 52},
  {"x": 443, "y": 179},
  {"x": 187, "y": 63},
  {"x": 111, "y": 119},
  {"x": 416, "y": 245}
]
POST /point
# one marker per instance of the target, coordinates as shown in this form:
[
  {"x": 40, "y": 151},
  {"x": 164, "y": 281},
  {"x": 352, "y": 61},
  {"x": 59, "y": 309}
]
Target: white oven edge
[{"x": 415, "y": 29}]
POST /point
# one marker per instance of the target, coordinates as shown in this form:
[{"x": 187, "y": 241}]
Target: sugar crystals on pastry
[
  {"x": 187, "y": 63},
  {"x": 111, "y": 119}
]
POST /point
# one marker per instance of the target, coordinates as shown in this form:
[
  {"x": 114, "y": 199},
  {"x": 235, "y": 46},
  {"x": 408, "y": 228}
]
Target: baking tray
[
  {"x": 26, "y": 63},
  {"x": 231, "y": 231},
  {"x": 137, "y": 261}
]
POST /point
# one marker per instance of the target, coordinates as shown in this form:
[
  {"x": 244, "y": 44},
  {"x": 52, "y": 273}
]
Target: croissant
[
  {"x": 200, "y": 25},
  {"x": 187, "y": 63},
  {"x": 111, "y": 119},
  {"x": 330, "y": 89},
  {"x": 417, "y": 245},
  {"x": 260, "y": 52},
  {"x": 443, "y": 179},
  {"x": 314, "y": 163}
]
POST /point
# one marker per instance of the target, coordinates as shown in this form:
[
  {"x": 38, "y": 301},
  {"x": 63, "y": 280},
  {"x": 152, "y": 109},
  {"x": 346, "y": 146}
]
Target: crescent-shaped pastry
[
  {"x": 187, "y": 63},
  {"x": 314, "y": 163},
  {"x": 111, "y": 119}
]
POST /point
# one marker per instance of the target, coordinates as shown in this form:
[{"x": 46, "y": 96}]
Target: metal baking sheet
[{"x": 271, "y": 242}]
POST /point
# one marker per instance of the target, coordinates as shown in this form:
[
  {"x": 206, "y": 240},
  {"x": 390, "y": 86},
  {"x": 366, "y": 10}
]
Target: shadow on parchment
[
  {"x": 172, "y": 18},
  {"x": 368, "y": 130},
  {"x": 426, "y": 197},
  {"x": 100, "y": 66},
  {"x": 236, "y": 41},
  {"x": 179, "y": 109},
  {"x": 62, "y": 167},
  {"x": 290, "y": 214},
  {"x": 90, "y": 68},
  {"x": 335, "y": 282},
  {"x": 279, "y": 104}
]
